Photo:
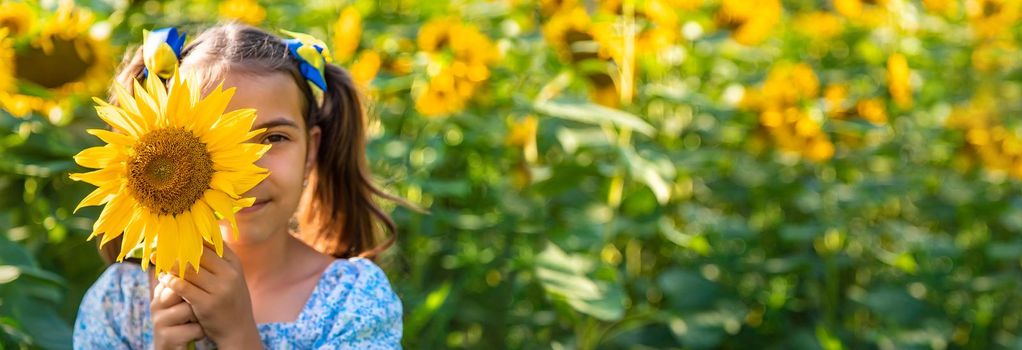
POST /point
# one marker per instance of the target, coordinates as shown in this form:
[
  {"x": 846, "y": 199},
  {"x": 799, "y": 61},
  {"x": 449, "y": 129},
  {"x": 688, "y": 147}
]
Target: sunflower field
[{"x": 615, "y": 174}]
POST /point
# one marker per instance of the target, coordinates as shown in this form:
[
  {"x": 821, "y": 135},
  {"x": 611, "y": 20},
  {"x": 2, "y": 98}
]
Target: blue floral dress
[{"x": 351, "y": 307}]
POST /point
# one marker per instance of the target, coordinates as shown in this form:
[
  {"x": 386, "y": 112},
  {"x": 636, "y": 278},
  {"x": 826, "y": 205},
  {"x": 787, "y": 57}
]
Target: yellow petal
[
  {"x": 148, "y": 108},
  {"x": 223, "y": 205},
  {"x": 125, "y": 100},
  {"x": 242, "y": 181},
  {"x": 151, "y": 224},
  {"x": 113, "y": 138},
  {"x": 212, "y": 107},
  {"x": 98, "y": 157},
  {"x": 190, "y": 248},
  {"x": 158, "y": 92},
  {"x": 167, "y": 242},
  {"x": 240, "y": 156},
  {"x": 117, "y": 118},
  {"x": 206, "y": 221},
  {"x": 132, "y": 233},
  {"x": 101, "y": 195},
  {"x": 222, "y": 181},
  {"x": 230, "y": 130},
  {"x": 102, "y": 176},
  {"x": 114, "y": 217},
  {"x": 179, "y": 102}
]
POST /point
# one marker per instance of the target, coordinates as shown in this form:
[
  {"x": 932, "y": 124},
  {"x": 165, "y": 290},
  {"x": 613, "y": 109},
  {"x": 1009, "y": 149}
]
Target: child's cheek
[{"x": 285, "y": 163}]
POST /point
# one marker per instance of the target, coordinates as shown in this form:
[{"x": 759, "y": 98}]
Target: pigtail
[{"x": 342, "y": 208}]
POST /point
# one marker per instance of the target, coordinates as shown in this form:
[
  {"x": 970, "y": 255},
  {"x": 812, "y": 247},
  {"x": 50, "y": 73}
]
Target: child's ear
[{"x": 310, "y": 155}]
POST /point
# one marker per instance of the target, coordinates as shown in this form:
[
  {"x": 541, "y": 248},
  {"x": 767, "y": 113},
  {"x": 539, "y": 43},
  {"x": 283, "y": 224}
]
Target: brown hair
[{"x": 338, "y": 213}]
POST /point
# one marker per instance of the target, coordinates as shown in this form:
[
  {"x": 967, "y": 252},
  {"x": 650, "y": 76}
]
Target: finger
[
  {"x": 188, "y": 291},
  {"x": 229, "y": 255},
  {"x": 215, "y": 264},
  {"x": 204, "y": 279},
  {"x": 164, "y": 297},
  {"x": 174, "y": 315},
  {"x": 183, "y": 333}
]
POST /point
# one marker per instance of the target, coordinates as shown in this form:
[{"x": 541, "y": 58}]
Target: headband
[
  {"x": 312, "y": 56},
  {"x": 161, "y": 50}
]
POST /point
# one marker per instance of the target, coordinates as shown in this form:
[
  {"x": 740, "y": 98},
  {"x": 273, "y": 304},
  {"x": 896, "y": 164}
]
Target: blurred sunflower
[
  {"x": 987, "y": 142},
  {"x": 838, "y": 105},
  {"x": 898, "y": 80},
  {"x": 550, "y": 7},
  {"x": 580, "y": 42},
  {"x": 245, "y": 11},
  {"x": 870, "y": 13},
  {"x": 443, "y": 95},
  {"x": 522, "y": 134},
  {"x": 173, "y": 163},
  {"x": 347, "y": 34},
  {"x": 657, "y": 23},
  {"x": 459, "y": 61},
  {"x": 17, "y": 17},
  {"x": 787, "y": 84},
  {"x": 365, "y": 67},
  {"x": 7, "y": 80},
  {"x": 784, "y": 113},
  {"x": 568, "y": 32},
  {"x": 992, "y": 18},
  {"x": 872, "y": 110},
  {"x": 11, "y": 101},
  {"x": 835, "y": 98},
  {"x": 946, "y": 8},
  {"x": 65, "y": 59},
  {"x": 751, "y": 21},
  {"x": 818, "y": 25},
  {"x": 995, "y": 55}
]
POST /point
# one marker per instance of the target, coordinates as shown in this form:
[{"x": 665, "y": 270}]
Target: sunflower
[
  {"x": 347, "y": 33},
  {"x": 751, "y": 21},
  {"x": 7, "y": 82},
  {"x": 11, "y": 101},
  {"x": 65, "y": 59},
  {"x": 870, "y": 13},
  {"x": 173, "y": 163},
  {"x": 364, "y": 69},
  {"x": 993, "y": 18},
  {"x": 898, "y": 80},
  {"x": 245, "y": 11}
]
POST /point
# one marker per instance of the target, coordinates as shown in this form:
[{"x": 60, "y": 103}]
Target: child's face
[{"x": 276, "y": 100}]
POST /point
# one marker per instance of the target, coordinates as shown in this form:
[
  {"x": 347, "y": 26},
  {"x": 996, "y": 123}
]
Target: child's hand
[
  {"x": 173, "y": 320},
  {"x": 219, "y": 297}
]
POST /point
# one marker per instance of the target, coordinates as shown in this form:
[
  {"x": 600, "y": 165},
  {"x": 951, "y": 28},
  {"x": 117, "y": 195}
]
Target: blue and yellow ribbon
[
  {"x": 161, "y": 51},
  {"x": 313, "y": 56}
]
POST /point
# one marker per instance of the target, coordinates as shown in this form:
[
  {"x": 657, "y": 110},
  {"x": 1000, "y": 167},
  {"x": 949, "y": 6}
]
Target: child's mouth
[{"x": 255, "y": 207}]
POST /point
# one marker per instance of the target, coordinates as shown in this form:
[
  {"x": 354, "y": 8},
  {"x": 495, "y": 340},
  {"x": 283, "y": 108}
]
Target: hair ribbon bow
[
  {"x": 312, "y": 55},
  {"x": 161, "y": 51}
]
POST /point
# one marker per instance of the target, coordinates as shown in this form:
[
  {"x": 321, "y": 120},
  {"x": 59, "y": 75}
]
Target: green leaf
[
  {"x": 647, "y": 173},
  {"x": 423, "y": 312},
  {"x": 569, "y": 277},
  {"x": 591, "y": 113}
]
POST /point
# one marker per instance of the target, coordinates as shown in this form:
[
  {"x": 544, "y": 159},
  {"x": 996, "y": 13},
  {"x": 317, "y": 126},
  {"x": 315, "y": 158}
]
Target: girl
[{"x": 273, "y": 288}]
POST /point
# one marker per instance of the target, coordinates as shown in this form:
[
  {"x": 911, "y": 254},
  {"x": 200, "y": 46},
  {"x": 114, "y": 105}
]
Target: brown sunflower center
[
  {"x": 68, "y": 62},
  {"x": 170, "y": 170}
]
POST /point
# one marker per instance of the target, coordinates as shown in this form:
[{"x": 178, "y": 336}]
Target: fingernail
[{"x": 163, "y": 277}]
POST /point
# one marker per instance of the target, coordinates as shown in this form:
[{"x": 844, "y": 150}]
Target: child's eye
[{"x": 274, "y": 138}]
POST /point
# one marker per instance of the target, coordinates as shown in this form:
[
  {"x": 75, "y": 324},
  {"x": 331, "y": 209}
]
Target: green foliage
[{"x": 672, "y": 219}]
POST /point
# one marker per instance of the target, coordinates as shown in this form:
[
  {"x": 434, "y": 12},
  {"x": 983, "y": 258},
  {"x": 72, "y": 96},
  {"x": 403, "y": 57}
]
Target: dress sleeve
[
  {"x": 370, "y": 315},
  {"x": 102, "y": 317}
]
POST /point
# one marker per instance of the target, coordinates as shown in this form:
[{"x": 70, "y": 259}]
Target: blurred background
[{"x": 629, "y": 174}]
